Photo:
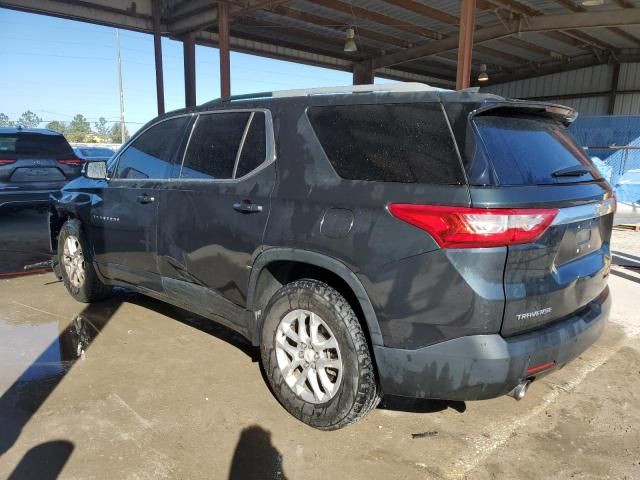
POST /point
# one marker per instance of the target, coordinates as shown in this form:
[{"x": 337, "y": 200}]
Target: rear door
[
  {"x": 124, "y": 221},
  {"x": 537, "y": 164},
  {"x": 214, "y": 212}
]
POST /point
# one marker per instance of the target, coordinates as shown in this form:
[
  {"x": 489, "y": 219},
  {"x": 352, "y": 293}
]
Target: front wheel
[
  {"x": 78, "y": 273},
  {"x": 316, "y": 356}
]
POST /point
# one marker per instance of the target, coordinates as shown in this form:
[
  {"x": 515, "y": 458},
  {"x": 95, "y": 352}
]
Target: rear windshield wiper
[{"x": 571, "y": 172}]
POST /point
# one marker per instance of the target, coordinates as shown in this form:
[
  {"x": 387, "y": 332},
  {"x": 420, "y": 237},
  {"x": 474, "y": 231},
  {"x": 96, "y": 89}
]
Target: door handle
[
  {"x": 145, "y": 198},
  {"x": 246, "y": 206}
]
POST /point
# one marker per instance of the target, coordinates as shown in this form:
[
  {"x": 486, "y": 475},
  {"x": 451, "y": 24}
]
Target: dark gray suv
[
  {"x": 34, "y": 162},
  {"x": 394, "y": 239}
]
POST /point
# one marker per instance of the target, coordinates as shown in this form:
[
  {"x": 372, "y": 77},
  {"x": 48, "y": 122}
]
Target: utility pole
[{"x": 122, "y": 127}]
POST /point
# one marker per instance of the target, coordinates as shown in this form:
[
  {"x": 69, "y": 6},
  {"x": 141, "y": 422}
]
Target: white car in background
[
  {"x": 627, "y": 191},
  {"x": 90, "y": 154}
]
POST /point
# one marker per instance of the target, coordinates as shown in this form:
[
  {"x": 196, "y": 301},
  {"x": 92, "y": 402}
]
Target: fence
[{"x": 613, "y": 139}]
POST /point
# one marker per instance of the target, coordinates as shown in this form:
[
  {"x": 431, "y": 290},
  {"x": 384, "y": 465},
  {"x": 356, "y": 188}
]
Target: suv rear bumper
[{"x": 477, "y": 367}]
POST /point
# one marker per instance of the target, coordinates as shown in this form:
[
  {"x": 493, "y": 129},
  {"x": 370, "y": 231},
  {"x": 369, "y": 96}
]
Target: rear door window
[
  {"x": 214, "y": 145},
  {"x": 408, "y": 143},
  {"x": 254, "y": 147},
  {"x": 529, "y": 150},
  {"x": 34, "y": 144}
]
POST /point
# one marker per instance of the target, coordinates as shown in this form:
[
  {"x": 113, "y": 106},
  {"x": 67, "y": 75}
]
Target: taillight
[
  {"x": 6, "y": 161},
  {"x": 463, "y": 227},
  {"x": 71, "y": 161}
]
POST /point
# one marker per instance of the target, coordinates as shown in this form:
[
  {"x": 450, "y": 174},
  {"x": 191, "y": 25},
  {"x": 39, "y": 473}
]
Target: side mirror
[{"x": 96, "y": 170}]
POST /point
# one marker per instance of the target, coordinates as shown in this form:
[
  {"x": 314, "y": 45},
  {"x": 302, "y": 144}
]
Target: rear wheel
[
  {"x": 78, "y": 273},
  {"x": 316, "y": 356}
]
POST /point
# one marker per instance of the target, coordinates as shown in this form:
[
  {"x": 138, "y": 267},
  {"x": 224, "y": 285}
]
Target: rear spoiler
[{"x": 564, "y": 114}]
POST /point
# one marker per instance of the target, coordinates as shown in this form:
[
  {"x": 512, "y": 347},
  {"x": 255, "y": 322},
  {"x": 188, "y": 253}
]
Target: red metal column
[
  {"x": 223, "y": 44},
  {"x": 363, "y": 73},
  {"x": 189, "y": 49},
  {"x": 465, "y": 43},
  {"x": 157, "y": 50}
]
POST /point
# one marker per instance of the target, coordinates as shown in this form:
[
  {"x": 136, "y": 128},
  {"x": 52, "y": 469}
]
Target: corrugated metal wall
[{"x": 596, "y": 80}]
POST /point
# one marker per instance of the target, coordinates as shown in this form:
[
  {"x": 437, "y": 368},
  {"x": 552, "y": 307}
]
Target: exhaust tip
[{"x": 520, "y": 390}]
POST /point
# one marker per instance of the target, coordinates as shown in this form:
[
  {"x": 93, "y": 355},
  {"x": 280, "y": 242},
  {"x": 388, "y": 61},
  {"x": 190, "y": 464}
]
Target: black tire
[
  {"x": 91, "y": 289},
  {"x": 357, "y": 393}
]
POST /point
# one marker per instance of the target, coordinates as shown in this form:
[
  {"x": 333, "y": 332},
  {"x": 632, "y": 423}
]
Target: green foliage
[
  {"x": 79, "y": 129},
  {"x": 115, "y": 133},
  {"x": 102, "y": 129},
  {"x": 57, "y": 126},
  {"x": 29, "y": 120},
  {"x": 5, "y": 121}
]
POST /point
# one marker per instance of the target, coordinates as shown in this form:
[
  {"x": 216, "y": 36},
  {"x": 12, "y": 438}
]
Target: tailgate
[
  {"x": 562, "y": 271},
  {"x": 530, "y": 160}
]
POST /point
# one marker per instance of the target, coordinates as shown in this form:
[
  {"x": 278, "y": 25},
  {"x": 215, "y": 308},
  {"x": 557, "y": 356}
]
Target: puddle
[{"x": 33, "y": 352}]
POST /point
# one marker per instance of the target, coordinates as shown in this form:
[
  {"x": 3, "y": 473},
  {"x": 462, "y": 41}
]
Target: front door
[
  {"x": 124, "y": 220},
  {"x": 214, "y": 213}
]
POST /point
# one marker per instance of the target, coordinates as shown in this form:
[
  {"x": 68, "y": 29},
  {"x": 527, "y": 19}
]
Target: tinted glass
[
  {"x": 408, "y": 143},
  {"x": 254, "y": 150},
  {"x": 150, "y": 155},
  {"x": 528, "y": 149},
  {"x": 35, "y": 144},
  {"x": 214, "y": 145}
]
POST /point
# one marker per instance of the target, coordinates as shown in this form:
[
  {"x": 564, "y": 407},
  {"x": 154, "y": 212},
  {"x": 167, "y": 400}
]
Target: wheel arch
[{"x": 265, "y": 280}]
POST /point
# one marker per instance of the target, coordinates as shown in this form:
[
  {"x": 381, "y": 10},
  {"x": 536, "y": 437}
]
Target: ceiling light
[
  {"x": 350, "y": 44},
  {"x": 591, "y": 3},
  {"x": 484, "y": 76}
]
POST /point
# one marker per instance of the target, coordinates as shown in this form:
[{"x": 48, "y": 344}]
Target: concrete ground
[{"x": 132, "y": 388}]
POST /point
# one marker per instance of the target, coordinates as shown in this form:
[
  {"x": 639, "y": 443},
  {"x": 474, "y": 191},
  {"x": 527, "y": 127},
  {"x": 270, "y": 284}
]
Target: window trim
[
  {"x": 125, "y": 146},
  {"x": 270, "y": 150}
]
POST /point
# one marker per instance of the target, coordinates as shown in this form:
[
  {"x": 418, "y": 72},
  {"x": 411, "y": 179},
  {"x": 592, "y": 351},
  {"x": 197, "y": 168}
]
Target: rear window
[
  {"x": 408, "y": 143},
  {"x": 529, "y": 149},
  {"x": 34, "y": 144}
]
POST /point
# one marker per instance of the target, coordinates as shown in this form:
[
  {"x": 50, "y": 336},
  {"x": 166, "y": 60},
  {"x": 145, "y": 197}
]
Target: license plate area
[
  {"x": 579, "y": 239},
  {"x": 35, "y": 174}
]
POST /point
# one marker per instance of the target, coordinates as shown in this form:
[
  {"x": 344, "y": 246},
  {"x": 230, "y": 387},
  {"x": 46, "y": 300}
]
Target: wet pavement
[
  {"x": 24, "y": 239},
  {"x": 133, "y": 388}
]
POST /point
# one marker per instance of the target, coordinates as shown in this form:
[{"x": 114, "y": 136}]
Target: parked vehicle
[
  {"x": 94, "y": 153},
  {"x": 34, "y": 163},
  {"x": 371, "y": 240},
  {"x": 627, "y": 192}
]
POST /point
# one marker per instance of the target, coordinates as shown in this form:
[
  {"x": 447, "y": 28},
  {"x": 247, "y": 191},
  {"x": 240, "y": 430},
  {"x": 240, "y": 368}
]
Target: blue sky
[{"x": 58, "y": 68}]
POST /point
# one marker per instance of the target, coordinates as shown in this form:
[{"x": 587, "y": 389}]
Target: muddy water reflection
[{"x": 35, "y": 355}]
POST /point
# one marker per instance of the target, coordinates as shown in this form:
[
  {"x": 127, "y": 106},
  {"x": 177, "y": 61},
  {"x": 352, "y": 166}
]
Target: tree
[
  {"x": 102, "y": 129},
  {"x": 5, "y": 122},
  {"x": 29, "y": 120},
  {"x": 79, "y": 129},
  {"x": 57, "y": 126},
  {"x": 115, "y": 133}
]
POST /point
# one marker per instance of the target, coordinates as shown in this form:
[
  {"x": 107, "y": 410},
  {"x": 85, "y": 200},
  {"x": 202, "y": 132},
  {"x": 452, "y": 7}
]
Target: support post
[
  {"x": 157, "y": 51},
  {"x": 189, "y": 48},
  {"x": 465, "y": 43},
  {"x": 363, "y": 73},
  {"x": 614, "y": 88},
  {"x": 223, "y": 44}
]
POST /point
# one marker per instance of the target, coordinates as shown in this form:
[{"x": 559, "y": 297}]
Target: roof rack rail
[{"x": 343, "y": 90}]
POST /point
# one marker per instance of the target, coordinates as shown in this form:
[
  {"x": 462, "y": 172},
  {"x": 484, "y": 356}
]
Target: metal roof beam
[
  {"x": 630, "y": 16},
  {"x": 208, "y": 17},
  {"x": 97, "y": 12},
  {"x": 373, "y": 16}
]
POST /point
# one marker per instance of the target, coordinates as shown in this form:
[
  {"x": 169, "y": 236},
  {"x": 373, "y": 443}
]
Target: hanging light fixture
[
  {"x": 592, "y": 3},
  {"x": 484, "y": 76},
  {"x": 350, "y": 44}
]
